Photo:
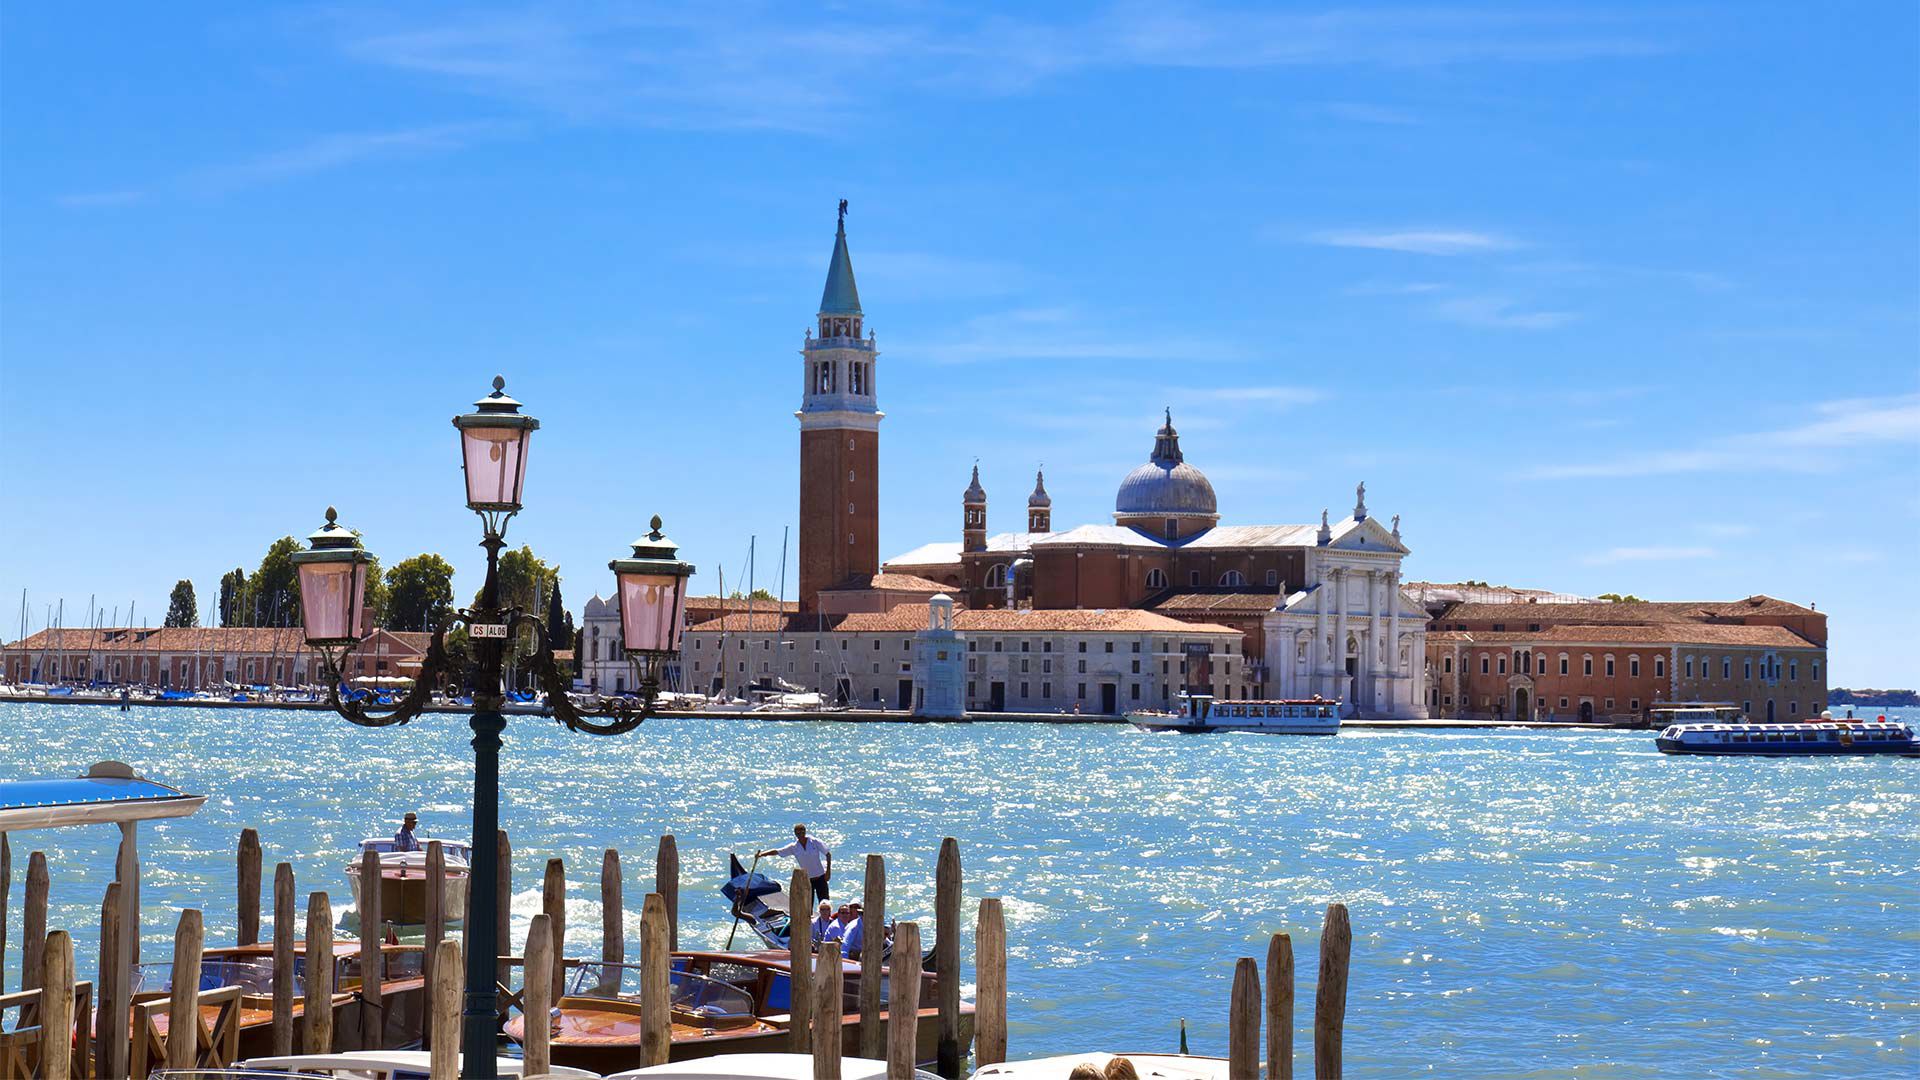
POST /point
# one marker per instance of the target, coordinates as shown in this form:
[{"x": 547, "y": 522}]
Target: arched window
[
  {"x": 1156, "y": 578},
  {"x": 996, "y": 576},
  {"x": 1233, "y": 578}
]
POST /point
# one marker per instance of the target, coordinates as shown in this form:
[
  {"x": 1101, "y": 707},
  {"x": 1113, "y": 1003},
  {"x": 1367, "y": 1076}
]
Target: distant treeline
[{"x": 1840, "y": 695}]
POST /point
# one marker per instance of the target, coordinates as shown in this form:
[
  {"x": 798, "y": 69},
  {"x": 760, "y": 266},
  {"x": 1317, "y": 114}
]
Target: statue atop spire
[
  {"x": 1326, "y": 531},
  {"x": 1166, "y": 445},
  {"x": 843, "y": 215},
  {"x": 1360, "y": 501},
  {"x": 841, "y": 297}
]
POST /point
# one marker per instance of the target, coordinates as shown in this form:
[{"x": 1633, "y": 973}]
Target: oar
[{"x": 736, "y": 901}]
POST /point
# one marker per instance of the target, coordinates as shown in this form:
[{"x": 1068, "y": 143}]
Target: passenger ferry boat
[
  {"x": 403, "y": 881},
  {"x": 1708, "y": 735},
  {"x": 1200, "y": 712}
]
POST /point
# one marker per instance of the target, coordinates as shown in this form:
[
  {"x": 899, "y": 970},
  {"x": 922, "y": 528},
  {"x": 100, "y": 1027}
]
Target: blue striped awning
[{"x": 108, "y": 793}]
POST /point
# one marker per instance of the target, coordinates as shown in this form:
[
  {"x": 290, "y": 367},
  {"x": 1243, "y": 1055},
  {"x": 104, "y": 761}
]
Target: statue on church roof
[
  {"x": 1326, "y": 531},
  {"x": 1360, "y": 501},
  {"x": 1396, "y": 526}
]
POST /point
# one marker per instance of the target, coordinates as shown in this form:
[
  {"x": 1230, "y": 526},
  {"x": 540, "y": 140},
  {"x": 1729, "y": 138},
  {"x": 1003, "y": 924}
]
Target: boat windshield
[
  {"x": 693, "y": 996},
  {"x": 252, "y": 976}
]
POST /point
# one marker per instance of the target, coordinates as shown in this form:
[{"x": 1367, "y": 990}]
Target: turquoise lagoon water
[{"x": 1524, "y": 904}]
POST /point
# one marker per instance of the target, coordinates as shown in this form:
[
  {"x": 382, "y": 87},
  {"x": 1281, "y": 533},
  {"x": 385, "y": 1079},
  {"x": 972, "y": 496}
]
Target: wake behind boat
[{"x": 1201, "y": 713}]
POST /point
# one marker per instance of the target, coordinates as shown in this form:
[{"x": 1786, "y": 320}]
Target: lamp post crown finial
[
  {"x": 499, "y": 384},
  {"x": 656, "y": 533},
  {"x": 332, "y": 515}
]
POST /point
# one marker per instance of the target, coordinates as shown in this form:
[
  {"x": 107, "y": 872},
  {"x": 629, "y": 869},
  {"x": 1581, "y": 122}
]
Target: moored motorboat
[
  {"x": 1201, "y": 713},
  {"x": 1146, "y": 1066},
  {"x": 1823, "y": 737},
  {"x": 403, "y": 881}
]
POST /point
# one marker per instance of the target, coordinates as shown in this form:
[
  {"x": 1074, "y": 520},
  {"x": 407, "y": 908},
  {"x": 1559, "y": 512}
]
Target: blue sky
[{"x": 1596, "y": 298}]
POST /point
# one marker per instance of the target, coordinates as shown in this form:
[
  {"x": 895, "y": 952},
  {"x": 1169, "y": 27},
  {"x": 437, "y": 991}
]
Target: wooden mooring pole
[
  {"x": 503, "y": 904},
  {"x": 1280, "y": 1008},
  {"x": 33, "y": 928},
  {"x": 56, "y": 1007},
  {"x": 656, "y": 962},
  {"x": 373, "y": 954},
  {"x": 946, "y": 958},
  {"x": 318, "y": 1007},
  {"x": 800, "y": 966},
  {"x": 443, "y": 1004},
  {"x": 436, "y": 910},
  {"x": 247, "y": 877},
  {"x": 6, "y": 897},
  {"x": 535, "y": 984},
  {"x": 873, "y": 951},
  {"x": 903, "y": 1006},
  {"x": 613, "y": 916},
  {"x": 1243, "y": 1022},
  {"x": 112, "y": 1003},
  {"x": 1330, "y": 997},
  {"x": 553, "y": 901},
  {"x": 183, "y": 999},
  {"x": 990, "y": 978},
  {"x": 827, "y": 1014},
  {"x": 666, "y": 882},
  {"x": 285, "y": 931}
]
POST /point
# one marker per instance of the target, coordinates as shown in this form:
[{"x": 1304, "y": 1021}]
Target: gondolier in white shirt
[{"x": 811, "y": 855}]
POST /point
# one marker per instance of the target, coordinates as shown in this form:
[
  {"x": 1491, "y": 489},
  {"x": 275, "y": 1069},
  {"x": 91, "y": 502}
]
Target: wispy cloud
[
  {"x": 1499, "y": 313},
  {"x": 1810, "y": 447},
  {"x": 1058, "y": 333},
  {"x": 332, "y": 151},
  {"x": 1271, "y": 396},
  {"x": 1649, "y": 554},
  {"x": 1418, "y": 241},
  {"x": 768, "y": 67},
  {"x": 1360, "y": 112}
]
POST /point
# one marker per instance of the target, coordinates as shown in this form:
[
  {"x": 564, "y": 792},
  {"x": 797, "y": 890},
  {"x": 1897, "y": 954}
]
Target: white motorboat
[
  {"x": 403, "y": 881},
  {"x": 763, "y": 1067},
  {"x": 1201, "y": 713},
  {"x": 1149, "y": 1066},
  {"x": 381, "y": 1065}
]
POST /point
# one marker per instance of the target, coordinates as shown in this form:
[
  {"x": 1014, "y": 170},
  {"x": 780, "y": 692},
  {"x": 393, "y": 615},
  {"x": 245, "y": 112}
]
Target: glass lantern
[
  {"x": 652, "y": 595},
  {"x": 333, "y": 584},
  {"x": 493, "y": 450}
]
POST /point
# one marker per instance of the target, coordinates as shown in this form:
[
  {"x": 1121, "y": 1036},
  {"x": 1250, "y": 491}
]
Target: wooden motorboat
[
  {"x": 1148, "y": 1066},
  {"x": 384, "y": 1065},
  {"x": 759, "y": 1067},
  {"x": 403, "y": 881},
  {"x": 723, "y": 1003}
]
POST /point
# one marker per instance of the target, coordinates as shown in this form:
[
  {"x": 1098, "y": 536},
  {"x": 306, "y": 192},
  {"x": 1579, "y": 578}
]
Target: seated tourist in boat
[
  {"x": 837, "y": 929},
  {"x": 810, "y": 855},
  {"x": 404, "y": 840},
  {"x": 854, "y": 935},
  {"x": 823, "y": 920}
]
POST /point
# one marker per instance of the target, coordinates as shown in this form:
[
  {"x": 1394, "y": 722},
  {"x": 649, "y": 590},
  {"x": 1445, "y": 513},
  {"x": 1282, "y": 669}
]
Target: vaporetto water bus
[
  {"x": 1200, "y": 713},
  {"x": 1823, "y": 736}
]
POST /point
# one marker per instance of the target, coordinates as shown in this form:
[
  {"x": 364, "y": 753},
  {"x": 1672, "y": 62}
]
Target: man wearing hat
[{"x": 404, "y": 840}]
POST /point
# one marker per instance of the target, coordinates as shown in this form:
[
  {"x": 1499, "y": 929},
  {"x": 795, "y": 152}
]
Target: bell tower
[
  {"x": 1040, "y": 505},
  {"x": 839, "y": 438},
  {"x": 973, "y": 527}
]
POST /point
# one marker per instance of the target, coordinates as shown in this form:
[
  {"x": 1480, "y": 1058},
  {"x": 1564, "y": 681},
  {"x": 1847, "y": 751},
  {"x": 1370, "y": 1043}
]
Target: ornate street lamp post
[{"x": 651, "y": 591}]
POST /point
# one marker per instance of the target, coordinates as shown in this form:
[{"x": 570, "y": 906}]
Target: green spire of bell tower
[{"x": 841, "y": 296}]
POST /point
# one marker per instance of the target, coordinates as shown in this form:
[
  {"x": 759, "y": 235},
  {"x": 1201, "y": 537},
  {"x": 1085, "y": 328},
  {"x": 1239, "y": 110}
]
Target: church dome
[{"x": 1166, "y": 487}]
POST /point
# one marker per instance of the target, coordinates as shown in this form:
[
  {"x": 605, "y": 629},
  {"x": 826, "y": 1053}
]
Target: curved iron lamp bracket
[
  {"x": 613, "y": 716},
  {"x": 366, "y": 711}
]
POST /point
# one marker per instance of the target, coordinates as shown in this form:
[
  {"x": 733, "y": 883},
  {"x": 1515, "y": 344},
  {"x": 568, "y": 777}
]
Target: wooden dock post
[
  {"x": 443, "y": 1004},
  {"x": 1243, "y": 1022},
  {"x": 537, "y": 1003},
  {"x": 827, "y": 989},
  {"x": 903, "y": 1006},
  {"x": 873, "y": 951},
  {"x": 183, "y": 999},
  {"x": 6, "y": 897},
  {"x": 373, "y": 954},
  {"x": 1280, "y": 1008},
  {"x": 553, "y": 901},
  {"x": 126, "y": 870},
  {"x": 503, "y": 904},
  {"x": 656, "y": 961},
  {"x": 436, "y": 912},
  {"x": 946, "y": 957},
  {"x": 56, "y": 1006},
  {"x": 613, "y": 916},
  {"x": 33, "y": 929},
  {"x": 666, "y": 882},
  {"x": 990, "y": 976},
  {"x": 285, "y": 901},
  {"x": 318, "y": 1004},
  {"x": 248, "y": 878},
  {"x": 800, "y": 962},
  {"x": 1330, "y": 998},
  {"x": 103, "y": 990}
]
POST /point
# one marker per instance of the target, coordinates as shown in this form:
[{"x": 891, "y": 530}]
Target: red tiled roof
[
  {"x": 892, "y": 582},
  {"x": 285, "y": 640},
  {"x": 1666, "y": 633},
  {"x": 1643, "y": 611},
  {"x": 1243, "y": 603},
  {"x": 738, "y": 603},
  {"x": 759, "y": 622},
  {"x": 909, "y": 617}
]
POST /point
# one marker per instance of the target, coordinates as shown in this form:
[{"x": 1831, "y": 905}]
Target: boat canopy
[{"x": 109, "y": 793}]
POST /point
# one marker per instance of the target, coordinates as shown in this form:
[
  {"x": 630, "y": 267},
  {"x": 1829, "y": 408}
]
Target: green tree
[
  {"x": 182, "y": 609},
  {"x": 233, "y": 590},
  {"x": 1617, "y": 598},
  {"x": 419, "y": 592},
  {"x": 525, "y": 579},
  {"x": 377, "y": 593},
  {"x": 757, "y": 594},
  {"x": 273, "y": 589}
]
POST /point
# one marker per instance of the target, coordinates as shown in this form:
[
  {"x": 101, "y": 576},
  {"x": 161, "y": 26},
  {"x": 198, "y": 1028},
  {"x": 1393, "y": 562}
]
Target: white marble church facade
[{"x": 1351, "y": 633}]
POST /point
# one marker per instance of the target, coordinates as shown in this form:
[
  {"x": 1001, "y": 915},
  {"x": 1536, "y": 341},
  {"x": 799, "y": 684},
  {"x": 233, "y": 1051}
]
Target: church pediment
[{"x": 1367, "y": 535}]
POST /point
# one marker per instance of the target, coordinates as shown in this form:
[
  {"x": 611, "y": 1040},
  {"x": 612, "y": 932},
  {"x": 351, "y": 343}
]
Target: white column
[
  {"x": 1393, "y": 623},
  {"x": 1375, "y": 653},
  {"x": 1317, "y": 651},
  {"x": 1340, "y": 634}
]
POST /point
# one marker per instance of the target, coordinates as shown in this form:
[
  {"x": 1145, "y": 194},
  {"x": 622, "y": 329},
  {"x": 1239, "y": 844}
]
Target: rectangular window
[
  {"x": 1483, "y": 666},
  {"x": 1083, "y": 671},
  {"x": 1793, "y": 671},
  {"x": 1448, "y": 701},
  {"x": 1136, "y": 692},
  {"x": 1633, "y": 667},
  {"x": 1563, "y": 703},
  {"x": 1659, "y": 667},
  {"x": 1447, "y": 666},
  {"x": 1503, "y": 665},
  {"x": 1136, "y": 646},
  {"x": 1136, "y": 667},
  {"x": 1023, "y": 665},
  {"x": 1609, "y": 704},
  {"x": 1025, "y": 646},
  {"x": 1046, "y": 666},
  {"x": 1634, "y": 704},
  {"x": 1083, "y": 691},
  {"x": 1046, "y": 646},
  {"x": 1083, "y": 646},
  {"x": 1726, "y": 667},
  {"x": 1563, "y": 667},
  {"x": 1689, "y": 667},
  {"x": 1586, "y": 665},
  {"x": 1816, "y": 671},
  {"x": 1609, "y": 667},
  {"x": 997, "y": 646},
  {"x": 1023, "y": 689},
  {"x": 1273, "y": 578},
  {"x": 1046, "y": 691},
  {"x": 1746, "y": 668},
  {"x": 1109, "y": 646},
  {"x": 1193, "y": 577}
]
